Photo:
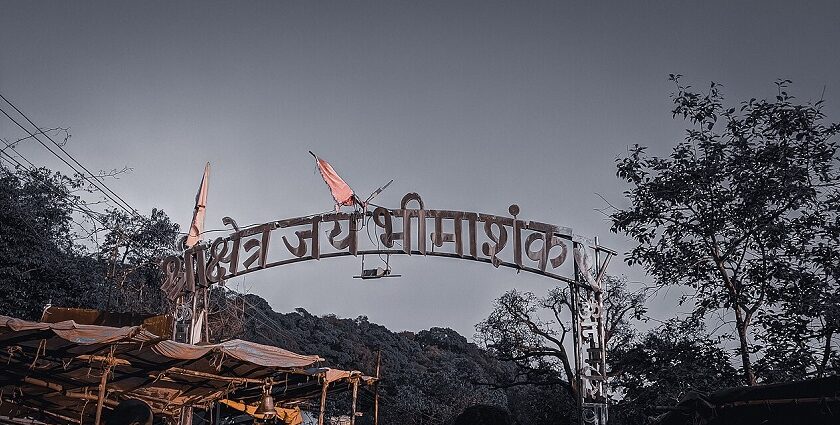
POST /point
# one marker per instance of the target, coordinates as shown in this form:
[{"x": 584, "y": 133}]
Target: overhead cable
[{"x": 98, "y": 183}]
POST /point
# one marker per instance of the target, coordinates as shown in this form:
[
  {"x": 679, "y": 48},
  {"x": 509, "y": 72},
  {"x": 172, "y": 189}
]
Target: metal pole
[
  {"x": 353, "y": 406},
  {"x": 175, "y": 318},
  {"x": 206, "y": 318},
  {"x": 376, "y": 389},
  {"x": 323, "y": 402},
  {"x": 575, "y": 288},
  {"x": 193, "y": 318}
]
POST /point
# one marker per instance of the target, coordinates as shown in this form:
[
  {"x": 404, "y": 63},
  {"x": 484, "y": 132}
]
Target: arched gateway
[{"x": 529, "y": 246}]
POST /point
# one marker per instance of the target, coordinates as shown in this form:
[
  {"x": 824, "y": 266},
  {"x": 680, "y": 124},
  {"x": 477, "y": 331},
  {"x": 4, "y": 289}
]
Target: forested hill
[{"x": 427, "y": 377}]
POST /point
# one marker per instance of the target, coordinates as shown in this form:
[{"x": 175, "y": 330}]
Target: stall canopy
[{"x": 56, "y": 370}]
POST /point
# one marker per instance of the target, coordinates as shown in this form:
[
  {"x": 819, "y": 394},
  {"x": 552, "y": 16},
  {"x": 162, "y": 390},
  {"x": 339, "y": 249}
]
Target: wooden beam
[
  {"x": 323, "y": 402},
  {"x": 205, "y": 375},
  {"x": 101, "y": 397},
  {"x": 353, "y": 404}
]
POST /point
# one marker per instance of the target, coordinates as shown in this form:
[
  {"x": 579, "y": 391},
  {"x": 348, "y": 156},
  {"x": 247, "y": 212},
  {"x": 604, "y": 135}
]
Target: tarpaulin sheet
[{"x": 56, "y": 368}]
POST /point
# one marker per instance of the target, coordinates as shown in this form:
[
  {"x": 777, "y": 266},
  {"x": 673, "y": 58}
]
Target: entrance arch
[{"x": 549, "y": 250}]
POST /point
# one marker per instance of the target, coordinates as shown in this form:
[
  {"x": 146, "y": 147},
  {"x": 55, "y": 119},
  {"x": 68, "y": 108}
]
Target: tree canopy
[
  {"x": 54, "y": 249},
  {"x": 738, "y": 213}
]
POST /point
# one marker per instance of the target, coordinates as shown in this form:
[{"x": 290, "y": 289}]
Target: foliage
[
  {"x": 531, "y": 332},
  {"x": 720, "y": 213},
  {"x": 659, "y": 368},
  {"x": 427, "y": 378},
  {"x": 132, "y": 250},
  {"x": 45, "y": 254},
  {"x": 40, "y": 259}
]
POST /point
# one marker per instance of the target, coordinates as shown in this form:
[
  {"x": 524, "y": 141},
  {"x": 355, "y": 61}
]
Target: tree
[
  {"x": 532, "y": 333},
  {"x": 41, "y": 260},
  {"x": 660, "y": 367},
  {"x": 132, "y": 250},
  {"x": 719, "y": 214},
  {"x": 800, "y": 334},
  {"x": 47, "y": 231}
]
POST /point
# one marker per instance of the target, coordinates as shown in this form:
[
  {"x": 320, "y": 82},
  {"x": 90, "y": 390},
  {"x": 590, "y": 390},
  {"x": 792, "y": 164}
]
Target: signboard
[{"x": 501, "y": 241}]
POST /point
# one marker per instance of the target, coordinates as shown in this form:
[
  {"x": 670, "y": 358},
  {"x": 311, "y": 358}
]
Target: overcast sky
[{"x": 474, "y": 105}]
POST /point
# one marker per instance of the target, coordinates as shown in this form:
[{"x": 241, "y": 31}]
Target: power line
[
  {"x": 17, "y": 142},
  {"x": 65, "y": 161},
  {"x": 80, "y": 207},
  {"x": 12, "y": 147},
  {"x": 12, "y": 159},
  {"x": 124, "y": 205},
  {"x": 263, "y": 318}
]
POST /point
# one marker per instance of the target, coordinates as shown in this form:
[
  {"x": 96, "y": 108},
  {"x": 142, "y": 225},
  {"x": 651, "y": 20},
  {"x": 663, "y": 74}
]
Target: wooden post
[
  {"x": 323, "y": 401},
  {"x": 186, "y": 415},
  {"x": 100, "y": 400},
  {"x": 376, "y": 389},
  {"x": 353, "y": 405}
]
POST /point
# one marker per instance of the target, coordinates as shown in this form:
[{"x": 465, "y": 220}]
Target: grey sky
[{"x": 474, "y": 105}]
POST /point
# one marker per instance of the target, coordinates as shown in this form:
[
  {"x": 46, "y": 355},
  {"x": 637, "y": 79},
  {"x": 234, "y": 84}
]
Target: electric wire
[
  {"x": 124, "y": 205},
  {"x": 65, "y": 152},
  {"x": 12, "y": 159},
  {"x": 96, "y": 216},
  {"x": 12, "y": 147},
  {"x": 67, "y": 163},
  {"x": 266, "y": 321},
  {"x": 18, "y": 141}
]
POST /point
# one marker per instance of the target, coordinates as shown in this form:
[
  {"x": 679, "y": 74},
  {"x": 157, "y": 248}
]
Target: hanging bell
[{"x": 266, "y": 407}]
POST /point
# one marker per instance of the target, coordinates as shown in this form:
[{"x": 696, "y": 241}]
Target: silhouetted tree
[
  {"x": 533, "y": 334},
  {"x": 661, "y": 366},
  {"x": 47, "y": 233},
  {"x": 41, "y": 258},
  {"x": 131, "y": 251},
  {"x": 721, "y": 213}
]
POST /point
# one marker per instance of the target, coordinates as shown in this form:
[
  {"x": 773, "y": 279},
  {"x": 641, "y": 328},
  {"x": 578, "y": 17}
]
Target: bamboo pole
[
  {"x": 101, "y": 397},
  {"x": 323, "y": 402},
  {"x": 205, "y": 375},
  {"x": 353, "y": 405}
]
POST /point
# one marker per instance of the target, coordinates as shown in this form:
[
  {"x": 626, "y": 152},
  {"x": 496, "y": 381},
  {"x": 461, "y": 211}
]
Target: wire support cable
[{"x": 96, "y": 182}]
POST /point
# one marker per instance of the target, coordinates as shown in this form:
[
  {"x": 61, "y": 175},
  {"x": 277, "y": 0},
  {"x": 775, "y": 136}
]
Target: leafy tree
[
  {"x": 47, "y": 231},
  {"x": 660, "y": 367},
  {"x": 530, "y": 332},
  {"x": 132, "y": 250},
  {"x": 41, "y": 261},
  {"x": 719, "y": 214},
  {"x": 800, "y": 334}
]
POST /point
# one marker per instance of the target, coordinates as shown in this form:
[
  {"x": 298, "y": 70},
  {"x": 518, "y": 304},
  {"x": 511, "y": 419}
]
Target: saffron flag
[
  {"x": 341, "y": 191},
  {"x": 197, "y": 225}
]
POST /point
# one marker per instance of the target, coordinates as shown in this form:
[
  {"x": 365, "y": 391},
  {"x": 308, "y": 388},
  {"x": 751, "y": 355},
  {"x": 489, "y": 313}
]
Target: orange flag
[
  {"x": 197, "y": 225},
  {"x": 341, "y": 191}
]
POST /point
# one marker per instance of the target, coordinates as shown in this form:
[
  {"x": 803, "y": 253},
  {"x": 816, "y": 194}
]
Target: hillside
[{"x": 428, "y": 377}]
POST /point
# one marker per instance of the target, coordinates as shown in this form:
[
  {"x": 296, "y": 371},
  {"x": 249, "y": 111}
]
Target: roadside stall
[{"x": 72, "y": 373}]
